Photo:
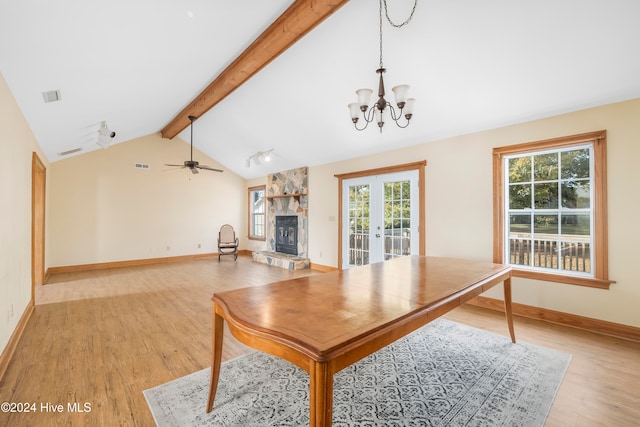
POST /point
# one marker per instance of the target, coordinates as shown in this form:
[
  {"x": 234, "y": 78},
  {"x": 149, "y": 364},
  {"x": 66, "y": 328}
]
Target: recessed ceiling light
[
  {"x": 190, "y": 14},
  {"x": 51, "y": 96}
]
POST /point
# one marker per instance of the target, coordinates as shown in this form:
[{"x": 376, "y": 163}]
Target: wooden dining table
[{"x": 326, "y": 322}]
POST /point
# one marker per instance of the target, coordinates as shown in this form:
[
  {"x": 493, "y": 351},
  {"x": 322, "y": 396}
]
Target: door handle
[{"x": 377, "y": 234}]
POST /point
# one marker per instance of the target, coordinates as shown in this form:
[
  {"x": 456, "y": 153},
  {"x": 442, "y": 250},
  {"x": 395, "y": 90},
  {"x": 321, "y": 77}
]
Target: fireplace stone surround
[{"x": 287, "y": 195}]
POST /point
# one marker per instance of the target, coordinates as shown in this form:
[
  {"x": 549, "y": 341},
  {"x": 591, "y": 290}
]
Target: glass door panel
[
  {"x": 358, "y": 224},
  {"x": 397, "y": 219}
]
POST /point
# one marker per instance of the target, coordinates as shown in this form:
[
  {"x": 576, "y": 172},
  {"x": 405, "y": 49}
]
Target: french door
[{"x": 380, "y": 218}]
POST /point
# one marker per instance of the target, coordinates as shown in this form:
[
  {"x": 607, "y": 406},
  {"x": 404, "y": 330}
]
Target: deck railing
[
  {"x": 570, "y": 255},
  {"x": 397, "y": 242}
]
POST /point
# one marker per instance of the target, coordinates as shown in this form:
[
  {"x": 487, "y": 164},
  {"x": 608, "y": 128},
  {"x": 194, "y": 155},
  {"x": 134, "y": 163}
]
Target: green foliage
[
  {"x": 397, "y": 205},
  {"x": 543, "y": 181},
  {"x": 359, "y": 204}
]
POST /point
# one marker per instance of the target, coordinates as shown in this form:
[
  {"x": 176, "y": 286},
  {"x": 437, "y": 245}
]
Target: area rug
[{"x": 444, "y": 374}]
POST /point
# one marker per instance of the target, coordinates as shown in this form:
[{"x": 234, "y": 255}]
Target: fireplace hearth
[{"x": 287, "y": 234}]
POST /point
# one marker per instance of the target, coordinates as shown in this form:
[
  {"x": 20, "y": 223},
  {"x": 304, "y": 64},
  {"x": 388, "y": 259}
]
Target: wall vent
[
  {"x": 142, "y": 166},
  {"x": 51, "y": 96},
  {"x": 66, "y": 153}
]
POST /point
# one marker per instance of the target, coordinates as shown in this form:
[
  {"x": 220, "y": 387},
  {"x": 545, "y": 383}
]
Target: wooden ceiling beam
[{"x": 300, "y": 18}]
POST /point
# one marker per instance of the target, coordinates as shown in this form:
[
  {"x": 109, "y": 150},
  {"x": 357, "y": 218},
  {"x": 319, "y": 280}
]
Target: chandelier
[{"x": 382, "y": 110}]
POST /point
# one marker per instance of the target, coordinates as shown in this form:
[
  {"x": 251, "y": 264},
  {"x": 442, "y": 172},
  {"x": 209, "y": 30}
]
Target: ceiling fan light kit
[
  {"x": 192, "y": 164},
  {"x": 383, "y": 111}
]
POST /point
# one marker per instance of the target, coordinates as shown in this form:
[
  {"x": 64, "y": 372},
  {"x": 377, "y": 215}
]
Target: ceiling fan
[{"x": 192, "y": 164}]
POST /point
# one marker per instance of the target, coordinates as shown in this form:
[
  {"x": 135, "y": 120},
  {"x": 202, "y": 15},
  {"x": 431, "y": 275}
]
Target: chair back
[{"x": 227, "y": 234}]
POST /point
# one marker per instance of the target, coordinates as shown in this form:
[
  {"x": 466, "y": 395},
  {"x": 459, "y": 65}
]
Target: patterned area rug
[{"x": 444, "y": 374}]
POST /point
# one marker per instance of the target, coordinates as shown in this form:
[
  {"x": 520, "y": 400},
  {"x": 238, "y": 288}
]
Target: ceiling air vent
[
  {"x": 66, "y": 153},
  {"x": 51, "y": 96},
  {"x": 142, "y": 165}
]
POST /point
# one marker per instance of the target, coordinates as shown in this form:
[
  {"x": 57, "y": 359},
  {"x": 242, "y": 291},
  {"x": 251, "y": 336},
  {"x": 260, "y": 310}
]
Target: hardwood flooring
[{"x": 103, "y": 337}]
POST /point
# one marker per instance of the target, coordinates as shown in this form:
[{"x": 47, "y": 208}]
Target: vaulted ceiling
[{"x": 142, "y": 65}]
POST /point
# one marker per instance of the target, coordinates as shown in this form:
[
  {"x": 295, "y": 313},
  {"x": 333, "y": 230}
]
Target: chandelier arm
[
  {"x": 393, "y": 114},
  {"x": 369, "y": 115},
  {"x": 366, "y": 123},
  {"x": 397, "y": 116},
  {"x": 401, "y": 126}
]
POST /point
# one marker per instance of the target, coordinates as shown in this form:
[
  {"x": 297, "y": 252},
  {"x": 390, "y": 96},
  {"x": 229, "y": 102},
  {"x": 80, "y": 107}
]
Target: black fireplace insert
[{"x": 287, "y": 234}]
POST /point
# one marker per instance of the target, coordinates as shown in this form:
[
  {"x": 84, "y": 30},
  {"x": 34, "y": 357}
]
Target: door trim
[
  {"x": 419, "y": 166},
  {"x": 38, "y": 203}
]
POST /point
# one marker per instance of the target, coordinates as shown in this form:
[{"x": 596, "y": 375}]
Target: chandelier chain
[
  {"x": 393, "y": 24},
  {"x": 386, "y": 11},
  {"x": 385, "y": 3}
]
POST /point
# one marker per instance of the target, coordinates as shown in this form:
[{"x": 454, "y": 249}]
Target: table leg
[
  {"x": 321, "y": 394},
  {"x": 507, "y": 308},
  {"x": 216, "y": 356}
]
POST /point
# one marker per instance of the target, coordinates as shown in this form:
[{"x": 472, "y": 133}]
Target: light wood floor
[{"x": 103, "y": 337}]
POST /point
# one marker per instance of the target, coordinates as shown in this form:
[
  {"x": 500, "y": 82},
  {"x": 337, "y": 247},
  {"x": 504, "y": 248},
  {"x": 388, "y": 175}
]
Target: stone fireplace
[{"x": 287, "y": 220}]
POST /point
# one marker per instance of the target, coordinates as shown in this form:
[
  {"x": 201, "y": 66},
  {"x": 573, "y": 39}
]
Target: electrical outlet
[
  {"x": 199, "y": 245},
  {"x": 168, "y": 248}
]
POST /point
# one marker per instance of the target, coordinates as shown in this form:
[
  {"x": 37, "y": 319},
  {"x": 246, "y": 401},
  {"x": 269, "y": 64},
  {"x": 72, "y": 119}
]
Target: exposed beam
[{"x": 300, "y": 18}]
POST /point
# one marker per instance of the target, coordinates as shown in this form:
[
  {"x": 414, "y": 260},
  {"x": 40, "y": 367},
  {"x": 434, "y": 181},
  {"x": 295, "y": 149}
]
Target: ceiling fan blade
[
  {"x": 194, "y": 170},
  {"x": 181, "y": 166},
  {"x": 209, "y": 168}
]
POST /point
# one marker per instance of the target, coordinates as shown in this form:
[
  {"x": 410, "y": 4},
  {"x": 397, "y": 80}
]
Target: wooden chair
[{"x": 227, "y": 242}]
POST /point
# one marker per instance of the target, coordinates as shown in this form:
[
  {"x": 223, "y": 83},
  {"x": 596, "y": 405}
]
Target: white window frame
[{"x": 559, "y": 211}]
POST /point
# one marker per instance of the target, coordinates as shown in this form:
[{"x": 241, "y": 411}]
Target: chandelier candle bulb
[
  {"x": 355, "y": 111},
  {"x": 408, "y": 108},
  {"x": 364, "y": 96},
  {"x": 379, "y": 118},
  {"x": 400, "y": 92}
]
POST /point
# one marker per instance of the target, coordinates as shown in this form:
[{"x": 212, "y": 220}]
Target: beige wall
[
  {"x": 459, "y": 205},
  {"x": 17, "y": 143},
  {"x": 105, "y": 210}
]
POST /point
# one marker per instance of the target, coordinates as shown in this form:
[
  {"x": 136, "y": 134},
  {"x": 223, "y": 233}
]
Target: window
[
  {"x": 257, "y": 212},
  {"x": 550, "y": 209}
]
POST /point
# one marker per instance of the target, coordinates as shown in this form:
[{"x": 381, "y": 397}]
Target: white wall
[
  {"x": 17, "y": 143},
  {"x": 459, "y": 210},
  {"x": 105, "y": 210}
]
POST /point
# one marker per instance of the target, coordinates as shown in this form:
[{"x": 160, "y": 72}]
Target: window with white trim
[
  {"x": 549, "y": 210},
  {"x": 550, "y": 204},
  {"x": 257, "y": 212}
]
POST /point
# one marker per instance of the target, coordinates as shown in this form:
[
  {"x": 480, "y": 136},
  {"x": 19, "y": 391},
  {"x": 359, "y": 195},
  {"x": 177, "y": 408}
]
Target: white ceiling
[{"x": 472, "y": 65}]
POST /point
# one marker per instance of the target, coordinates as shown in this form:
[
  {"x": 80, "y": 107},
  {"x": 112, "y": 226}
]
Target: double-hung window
[
  {"x": 257, "y": 213},
  {"x": 550, "y": 209}
]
